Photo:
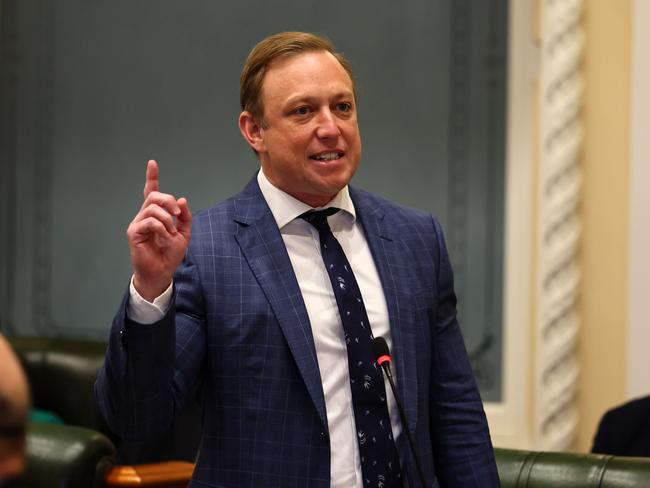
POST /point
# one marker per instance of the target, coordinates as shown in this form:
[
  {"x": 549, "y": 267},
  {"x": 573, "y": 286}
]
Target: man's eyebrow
[
  {"x": 345, "y": 94},
  {"x": 311, "y": 99}
]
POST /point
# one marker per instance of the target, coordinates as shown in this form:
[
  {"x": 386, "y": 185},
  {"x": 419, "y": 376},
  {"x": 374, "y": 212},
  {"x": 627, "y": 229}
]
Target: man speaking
[{"x": 275, "y": 299}]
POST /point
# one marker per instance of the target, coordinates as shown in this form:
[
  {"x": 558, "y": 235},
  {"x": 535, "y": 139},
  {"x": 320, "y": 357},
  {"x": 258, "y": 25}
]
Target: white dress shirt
[{"x": 303, "y": 246}]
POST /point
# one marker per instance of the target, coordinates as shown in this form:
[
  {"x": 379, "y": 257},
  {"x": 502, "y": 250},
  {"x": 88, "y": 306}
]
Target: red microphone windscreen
[{"x": 380, "y": 349}]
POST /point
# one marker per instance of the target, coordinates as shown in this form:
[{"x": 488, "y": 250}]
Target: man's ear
[{"x": 252, "y": 131}]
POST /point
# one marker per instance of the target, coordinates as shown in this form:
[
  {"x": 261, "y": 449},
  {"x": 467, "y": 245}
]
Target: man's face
[{"x": 310, "y": 145}]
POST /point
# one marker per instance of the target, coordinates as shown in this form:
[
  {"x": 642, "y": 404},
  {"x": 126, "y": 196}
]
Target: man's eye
[
  {"x": 301, "y": 111},
  {"x": 344, "y": 107}
]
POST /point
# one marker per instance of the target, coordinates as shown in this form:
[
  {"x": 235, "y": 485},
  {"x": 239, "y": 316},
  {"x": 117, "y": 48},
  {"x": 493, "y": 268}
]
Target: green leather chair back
[
  {"x": 531, "y": 469},
  {"x": 61, "y": 375}
]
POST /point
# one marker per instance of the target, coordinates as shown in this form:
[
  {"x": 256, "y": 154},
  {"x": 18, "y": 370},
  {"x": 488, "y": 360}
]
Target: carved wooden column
[{"x": 559, "y": 140}]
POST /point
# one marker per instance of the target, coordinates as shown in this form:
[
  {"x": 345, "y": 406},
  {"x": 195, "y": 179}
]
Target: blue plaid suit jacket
[{"x": 238, "y": 322}]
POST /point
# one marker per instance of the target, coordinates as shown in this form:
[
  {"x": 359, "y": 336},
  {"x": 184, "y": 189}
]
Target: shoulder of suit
[
  {"x": 217, "y": 214},
  {"x": 365, "y": 201},
  {"x": 639, "y": 407}
]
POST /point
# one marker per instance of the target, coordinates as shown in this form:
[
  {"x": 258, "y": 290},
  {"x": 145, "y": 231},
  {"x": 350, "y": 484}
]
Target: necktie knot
[{"x": 318, "y": 218}]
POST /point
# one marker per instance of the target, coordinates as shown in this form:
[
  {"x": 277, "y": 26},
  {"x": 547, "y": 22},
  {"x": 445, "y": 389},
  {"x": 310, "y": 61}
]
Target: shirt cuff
[{"x": 144, "y": 312}]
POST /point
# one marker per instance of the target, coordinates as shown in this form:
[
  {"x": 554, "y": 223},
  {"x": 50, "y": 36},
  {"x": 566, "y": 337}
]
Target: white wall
[{"x": 638, "y": 365}]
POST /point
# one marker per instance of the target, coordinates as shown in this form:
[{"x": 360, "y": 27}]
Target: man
[
  {"x": 14, "y": 406},
  {"x": 274, "y": 308}
]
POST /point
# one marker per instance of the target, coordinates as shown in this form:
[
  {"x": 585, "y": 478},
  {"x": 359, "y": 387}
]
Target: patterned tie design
[{"x": 379, "y": 459}]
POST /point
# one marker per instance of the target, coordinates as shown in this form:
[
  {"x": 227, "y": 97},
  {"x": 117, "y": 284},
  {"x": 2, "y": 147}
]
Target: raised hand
[{"x": 158, "y": 237}]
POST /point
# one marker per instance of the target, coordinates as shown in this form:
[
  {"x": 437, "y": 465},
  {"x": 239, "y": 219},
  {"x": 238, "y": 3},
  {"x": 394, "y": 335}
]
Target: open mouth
[{"x": 328, "y": 156}]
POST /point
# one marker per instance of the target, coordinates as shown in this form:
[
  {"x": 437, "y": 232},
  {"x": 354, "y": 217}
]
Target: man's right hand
[{"x": 158, "y": 237}]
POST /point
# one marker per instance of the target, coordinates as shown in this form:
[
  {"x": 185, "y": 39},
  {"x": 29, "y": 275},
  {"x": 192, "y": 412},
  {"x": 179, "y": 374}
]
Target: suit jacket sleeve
[
  {"x": 150, "y": 368},
  {"x": 461, "y": 441}
]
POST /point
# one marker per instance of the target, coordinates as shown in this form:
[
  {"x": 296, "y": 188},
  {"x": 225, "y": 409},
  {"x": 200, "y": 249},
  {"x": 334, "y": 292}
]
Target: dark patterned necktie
[{"x": 379, "y": 459}]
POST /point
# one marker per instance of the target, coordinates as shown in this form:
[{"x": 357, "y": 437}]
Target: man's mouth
[{"x": 328, "y": 156}]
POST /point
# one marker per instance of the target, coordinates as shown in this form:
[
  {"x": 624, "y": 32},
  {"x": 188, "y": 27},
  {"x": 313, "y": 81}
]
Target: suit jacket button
[{"x": 123, "y": 339}]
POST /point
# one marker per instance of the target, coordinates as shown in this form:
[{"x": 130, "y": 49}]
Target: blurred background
[{"x": 520, "y": 124}]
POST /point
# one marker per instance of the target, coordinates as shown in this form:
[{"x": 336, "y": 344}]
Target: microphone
[{"x": 383, "y": 358}]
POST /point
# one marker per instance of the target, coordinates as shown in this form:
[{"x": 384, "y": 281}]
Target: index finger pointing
[{"x": 151, "y": 181}]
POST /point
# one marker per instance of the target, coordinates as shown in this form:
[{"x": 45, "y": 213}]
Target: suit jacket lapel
[
  {"x": 389, "y": 253},
  {"x": 261, "y": 243}
]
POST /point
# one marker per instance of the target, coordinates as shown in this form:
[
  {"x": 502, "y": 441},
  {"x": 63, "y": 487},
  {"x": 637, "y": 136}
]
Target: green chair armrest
[
  {"x": 626, "y": 472},
  {"x": 66, "y": 456}
]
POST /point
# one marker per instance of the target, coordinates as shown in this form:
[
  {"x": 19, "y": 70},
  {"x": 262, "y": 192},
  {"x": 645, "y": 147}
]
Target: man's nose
[{"x": 327, "y": 125}]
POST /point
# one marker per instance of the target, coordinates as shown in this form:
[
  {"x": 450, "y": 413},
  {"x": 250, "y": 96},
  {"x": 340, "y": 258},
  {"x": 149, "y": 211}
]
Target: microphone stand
[{"x": 386, "y": 367}]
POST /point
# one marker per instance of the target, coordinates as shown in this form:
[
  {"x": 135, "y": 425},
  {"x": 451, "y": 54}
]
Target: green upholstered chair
[
  {"x": 82, "y": 452},
  {"x": 66, "y": 456},
  {"x": 61, "y": 375},
  {"x": 531, "y": 469}
]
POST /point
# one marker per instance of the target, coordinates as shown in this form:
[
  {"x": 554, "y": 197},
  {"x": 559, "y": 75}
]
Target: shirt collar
[{"x": 286, "y": 208}]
